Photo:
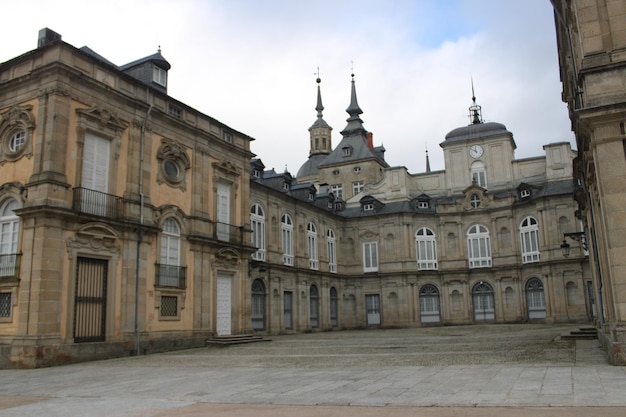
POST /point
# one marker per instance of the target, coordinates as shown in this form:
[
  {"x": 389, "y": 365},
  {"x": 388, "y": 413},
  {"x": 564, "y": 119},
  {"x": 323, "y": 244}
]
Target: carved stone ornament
[
  {"x": 173, "y": 154},
  {"x": 16, "y": 120},
  {"x": 227, "y": 257},
  {"x": 95, "y": 237}
]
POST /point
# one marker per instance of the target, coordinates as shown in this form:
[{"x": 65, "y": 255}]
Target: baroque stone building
[
  {"x": 353, "y": 242},
  {"x": 591, "y": 39},
  {"x": 123, "y": 211},
  {"x": 133, "y": 223}
]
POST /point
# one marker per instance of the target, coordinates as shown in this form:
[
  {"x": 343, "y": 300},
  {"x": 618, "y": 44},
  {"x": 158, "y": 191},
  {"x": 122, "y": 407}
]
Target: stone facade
[
  {"x": 133, "y": 223},
  {"x": 479, "y": 241},
  {"x": 591, "y": 38},
  {"x": 124, "y": 212}
]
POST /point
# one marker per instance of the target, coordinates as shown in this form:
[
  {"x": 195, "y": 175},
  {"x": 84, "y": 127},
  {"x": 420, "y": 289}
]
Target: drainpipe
[{"x": 141, "y": 222}]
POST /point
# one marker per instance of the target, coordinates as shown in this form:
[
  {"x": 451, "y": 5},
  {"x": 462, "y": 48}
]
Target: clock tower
[{"x": 480, "y": 154}]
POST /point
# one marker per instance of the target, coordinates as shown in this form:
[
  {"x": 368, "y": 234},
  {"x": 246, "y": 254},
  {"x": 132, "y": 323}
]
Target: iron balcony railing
[
  {"x": 171, "y": 276},
  {"x": 228, "y": 233},
  {"x": 97, "y": 203},
  {"x": 10, "y": 265}
]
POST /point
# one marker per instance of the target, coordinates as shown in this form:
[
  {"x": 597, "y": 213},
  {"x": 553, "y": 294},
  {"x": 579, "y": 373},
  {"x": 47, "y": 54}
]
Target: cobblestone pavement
[{"x": 478, "y": 370}]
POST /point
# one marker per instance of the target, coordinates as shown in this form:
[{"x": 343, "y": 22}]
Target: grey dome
[{"x": 477, "y": 130}]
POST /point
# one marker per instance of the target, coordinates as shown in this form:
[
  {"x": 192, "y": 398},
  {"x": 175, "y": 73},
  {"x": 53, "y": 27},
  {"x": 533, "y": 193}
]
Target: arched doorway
[
  {"x": 429, "y": 304},
  {"x": 483, "y": 302},
  {"x": 258, "y": 305},
  {"x": 535, "y": 299},
  {"x": 314, "y": 303}
]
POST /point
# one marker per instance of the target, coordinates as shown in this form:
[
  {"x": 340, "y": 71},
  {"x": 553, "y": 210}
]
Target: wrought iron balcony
[
  {"x": 97, "y": 203},
  {"x": 171, "y": 276},
  {"x": 228, "y": 233},
  {"x": 10, "y": 265}
]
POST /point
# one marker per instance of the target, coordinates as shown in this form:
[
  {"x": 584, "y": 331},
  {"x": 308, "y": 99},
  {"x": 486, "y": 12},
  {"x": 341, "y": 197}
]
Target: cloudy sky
[{"x": 252, "y": 65}]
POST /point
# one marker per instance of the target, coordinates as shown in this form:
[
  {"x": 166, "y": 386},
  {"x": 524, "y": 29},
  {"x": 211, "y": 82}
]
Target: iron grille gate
[{"x": 90, "y": 300}]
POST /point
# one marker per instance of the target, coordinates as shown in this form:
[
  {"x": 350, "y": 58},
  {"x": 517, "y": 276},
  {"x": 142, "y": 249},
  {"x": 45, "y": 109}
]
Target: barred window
[
  {"x": 5, "y": 304},
  {"x": 169, "y": 306}
]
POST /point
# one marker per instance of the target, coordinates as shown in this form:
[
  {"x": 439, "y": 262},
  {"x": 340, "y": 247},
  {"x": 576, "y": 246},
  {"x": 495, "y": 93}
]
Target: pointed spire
[
  {"x": 320, "y": 106},
  {"x": 475, "y": 109},
  {"x": 427, "y": 161},
  {"x": 355, "y": 124},
  {"x": 320, "y": 131}
]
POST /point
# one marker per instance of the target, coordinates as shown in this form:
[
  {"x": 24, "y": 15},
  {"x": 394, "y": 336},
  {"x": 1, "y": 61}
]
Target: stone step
[
  {"x": 235, "y": 340},
  {"x": 583, "y": 333}
]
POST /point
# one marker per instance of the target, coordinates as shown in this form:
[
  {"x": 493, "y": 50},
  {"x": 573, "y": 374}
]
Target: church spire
[
  {"x": 355, "y": 124},
  {"x": 320, "y": 131},
  {"x": 427, "y": 161}
]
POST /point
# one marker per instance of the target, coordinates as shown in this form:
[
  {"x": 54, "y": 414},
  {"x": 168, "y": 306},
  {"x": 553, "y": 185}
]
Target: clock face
[{"x": 476, "y": 151}]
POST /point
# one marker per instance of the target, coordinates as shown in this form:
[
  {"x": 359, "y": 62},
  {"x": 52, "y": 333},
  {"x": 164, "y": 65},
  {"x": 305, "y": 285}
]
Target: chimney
[
  {"x": 46, "y": 37},
  {"x": 370, "y": 141}
]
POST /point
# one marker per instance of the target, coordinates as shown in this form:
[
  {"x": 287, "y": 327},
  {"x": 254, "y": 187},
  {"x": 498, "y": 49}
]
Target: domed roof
[
  {"x": 477, "y": 130},
  {"x": 311, "y": 164}
]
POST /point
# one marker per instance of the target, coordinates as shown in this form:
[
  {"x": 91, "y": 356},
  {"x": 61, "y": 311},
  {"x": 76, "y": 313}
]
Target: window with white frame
[
  {"x": 529, "y": 236},
  {"x": 370, "y": 256},
  {"x": 357, "y": 187},
  {"x": 331, "y": 250},
  {"x": 426, "y": 248},
  {"x": 479, "y": 247},
  {"x": 286, "y": 230},
  {"x": 479, "y": 174},
  {"x": 368, "y": 207},
  {"x": 169, "y": 274},
  {"x": 337, "y": 190},
  {"x": 159, "y": 76},
  {"x": 257, "y": 222},
  {"x": 9, "y": 235},
  {"x": 311, "y": 243}
]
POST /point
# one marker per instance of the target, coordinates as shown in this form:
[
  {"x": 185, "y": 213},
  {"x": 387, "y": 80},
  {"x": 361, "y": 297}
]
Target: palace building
[{"x": 132, "y": 223}]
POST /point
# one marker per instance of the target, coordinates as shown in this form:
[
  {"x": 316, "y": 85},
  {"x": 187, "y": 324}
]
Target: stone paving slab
[{"x": 402, "y": 372}]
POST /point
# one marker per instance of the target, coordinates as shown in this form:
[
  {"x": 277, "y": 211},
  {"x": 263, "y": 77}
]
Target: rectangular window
[
  {"x": 159, "y": 76},
  {"x": 337, "y": 190},
  {"x": 368, "y": 207},
  {"x": 228, "y": 138},
  {"x": 426, "y": 254},
  {"x": 287, "y": 242},
  {"x": 332, "y": 261},
  {"x": 312, "y": 247},
  {"x": 169, "y": 306},
  {"x": 370, "y": 256},
  {"x": 5, "y": 304},
  {"x": 480, "y": 177},
  {"x": 357, "y": 187},
  {"x": 479, "y": 252},
  {"x": 422, "y": 204},
  {"x": 530, "y": 246},
  {"x": 258, "y": 239}
]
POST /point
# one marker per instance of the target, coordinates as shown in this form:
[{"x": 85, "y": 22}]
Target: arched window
[
  {"x": 314, "y": 303},
  {"x": 483, "y": 302},
  {"x": 311, "y": 241},
  {"x": 286, "y": 229},
  {"x": 258, "y": 305},
  {"x": 257, "y": 222},
  {"x": 479, "y": 174},
  {"x": 9, "y": 235},
  {"x": 334, "y": 307},
  {"x": 170, "y": 274},
  {"x": 426, "y": 249},
  {"x": 429, "y": 304},
  {"x": 529, "y": 236},
  {"x": 331, "y": 250},
  {"x": 535, "y": 299},
  {"x": 479, "y": 246}
]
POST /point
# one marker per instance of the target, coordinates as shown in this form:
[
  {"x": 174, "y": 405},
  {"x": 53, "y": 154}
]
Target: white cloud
[{"x": 251, "y": 65}]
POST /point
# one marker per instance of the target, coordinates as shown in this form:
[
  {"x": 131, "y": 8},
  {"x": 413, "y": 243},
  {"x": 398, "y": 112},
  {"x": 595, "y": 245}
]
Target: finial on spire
[
  {"x": 318, "y": 79},
  {"x": 475, "y": 109}
]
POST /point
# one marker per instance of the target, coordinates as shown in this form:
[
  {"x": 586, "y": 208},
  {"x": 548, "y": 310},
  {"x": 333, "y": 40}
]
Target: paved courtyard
[{"x": 479, "y": 370}]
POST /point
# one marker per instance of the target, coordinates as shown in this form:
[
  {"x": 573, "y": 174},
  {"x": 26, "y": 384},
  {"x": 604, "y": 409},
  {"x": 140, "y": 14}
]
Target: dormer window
[
  {"x": 338, "y": 206},
  {"x": 422, "y": 204},
  {"x": 329, "y": 205},
  {"x": 159, "y": 76},
  {"x": 368, "y": 207},
  {"x": 347, "y": 151},
  {"x": 311, "y": 196},
  {"x": 285, "y": 186},
  {"x": 256, "y": 173},
  {"x": 525, "y": 193}
]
